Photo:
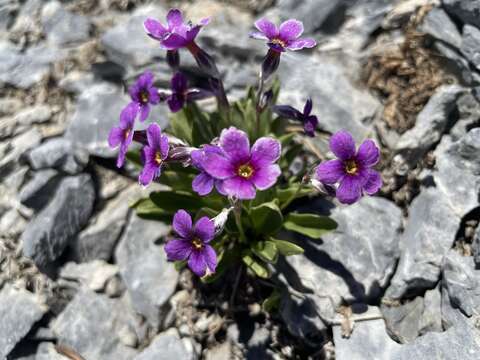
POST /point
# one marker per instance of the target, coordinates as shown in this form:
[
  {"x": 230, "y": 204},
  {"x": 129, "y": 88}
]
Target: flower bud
[
  {"x": 181, "y": 154},
  {"x": 270, "y": 64},
  {"x": 323, "y": 188},
  {"x": 173, "y": 59},
  {"x": 221, "y": 219}
]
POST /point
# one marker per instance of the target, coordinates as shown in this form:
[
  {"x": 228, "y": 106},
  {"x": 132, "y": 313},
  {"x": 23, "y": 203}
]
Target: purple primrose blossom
[
  {"x": 177, "y": 34},
  {"x": 153, "y": 154},
  {"x": 181, "y": 94},
  {"x": 286, "y": 37},
  {"x": 204, "y": 182},
  {"x": 143, "y": 93},
  {"x": 309, "y": 122},
  {"x": 352, "y": 170},
  {"x": 122, "y": 135},
  {"x": 192, "y": 243},
  {"x": 243, "y": 170}
]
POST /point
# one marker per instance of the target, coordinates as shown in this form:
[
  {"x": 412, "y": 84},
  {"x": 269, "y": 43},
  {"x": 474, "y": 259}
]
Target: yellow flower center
[
  {"x": 158, "y": 158},
  {"x": 144, "y": 97},
  {"x": 351, "y": 167},
  {"x": 197, "y": 244},
  {"x": 278, "y": 42},
  {"x": 245, "y": 171}
]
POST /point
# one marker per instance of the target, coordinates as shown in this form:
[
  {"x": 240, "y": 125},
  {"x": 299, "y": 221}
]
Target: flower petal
[
  {"x": 239, "y": 187},
  {"x": 204, "y": 229},
  {"x": 266, "y": 27},
  {"x": 197, "y": 263},
  {"x": 307, "y": 108},
  {"x": 368, "y": 153},
  {"x": 128, "y": 115},
  {"x": 154, "y": 134},
  {"x": 342, "y": 145},
  {"x": 210, "y": 258},
  {"x": 144, "y": 112},
  {"x": 218, "y": 166},
  {"x": 350, "y": 190},
  {"x": 153, "y": 96},
  {"x": 192, "y": 33},
  {"x": 287, "y": 111},
  {"x": 266, "y": 176},
  {"x": 178, "y": 250},
  {"x": 174, "y": 18},
  {"x": 329, "y": 172},
  {"x": 145, "y": 80},
  {"x": 265, "y": 151},
  {"x": 179, "y": 83},
  {"x": 173, "y": 42},
  {"x": 310, "y": 124},
  {"x": 148, "y": 173},
  {"x": 164, "y": 146},
  {"x": 235, "y": 143},
  {"x": 154, "y": 29},
  {"x": 202, "y": 184},
  {"x": 374, "y": 182},
  {"x": 290, "y": 29},
  {"x": 182, "y": 224},
  {"x": 175, "y": 102},
  {"x": 115, "y": 137},
  {"x": 123, "y": 149},
  {"x": 300, "y": 44}
]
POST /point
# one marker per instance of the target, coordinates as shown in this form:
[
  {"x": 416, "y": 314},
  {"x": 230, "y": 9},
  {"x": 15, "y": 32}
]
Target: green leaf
[
  {"x": 145, "y": 208},
  {"x": 256, "y": 266},
  {"x": 287, "y": 248},
  {"x": 311, "y": 225},
  {"x": 181, "y": 127},
  {"x": 226, "y": 259},
  {"x": 272, "y": 302},
  {"x": 285, "y": 194},
  {"x": 266, "y": 218},
  {"x": 180, "y": 265},
  {"x": 134, "y": 157},
  {"x": 170, "y": 201},
  {"x": 176, "y": 180},
  {"x": 286, "y": 139},
  {"x": 265, "y": 250}
]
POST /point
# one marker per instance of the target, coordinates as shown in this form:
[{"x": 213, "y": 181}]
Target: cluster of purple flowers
[{"x": 229, "y": 164}]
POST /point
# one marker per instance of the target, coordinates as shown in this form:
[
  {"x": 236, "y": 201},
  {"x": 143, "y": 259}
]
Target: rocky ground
[{"x": 81, "y": 277}]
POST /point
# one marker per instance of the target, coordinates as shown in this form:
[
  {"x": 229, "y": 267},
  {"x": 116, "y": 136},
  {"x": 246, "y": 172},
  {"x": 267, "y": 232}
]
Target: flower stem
[{"x": 238, "y": 220}]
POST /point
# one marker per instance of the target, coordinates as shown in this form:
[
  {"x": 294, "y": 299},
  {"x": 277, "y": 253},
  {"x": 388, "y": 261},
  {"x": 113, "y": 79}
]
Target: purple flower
[
  {"x": 123, "y": 134},
  {"x": 282, "y": 38},
  {"x": 204, "y": 182},
  {"x": 153, "y": 154},
  {"x": 352, "y": 170},
  {"x": 309, "y": 122},
  {"x": 241, "y": 169},
  {"x": 144, "y": 93},
  {"x": 193, "y": 243},
  {"x": 181, "y": 93},
  {"x": 176, "y": 34}
]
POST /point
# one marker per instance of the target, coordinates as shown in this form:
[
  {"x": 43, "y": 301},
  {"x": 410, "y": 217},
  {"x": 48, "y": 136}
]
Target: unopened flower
[
  {"x": 286, "y": 37},
  {"x": 122, "y": 135},
  {"x": 203, "y": 183},
  {"x": 309, "y": 122},
  {"x": 143, "y": 93},
  {"x": 153, "y": 154},
  {"x": 243, "y": 170},
  {"x": 181, "y": 94},
  {"x": 221, "y": 220},
  {"x": 192, "y": 243},
  {"x": 352, "y": 170},
  {"x": 177, "y": 34}
]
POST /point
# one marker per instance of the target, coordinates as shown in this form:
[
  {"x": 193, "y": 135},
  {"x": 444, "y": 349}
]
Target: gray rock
[
  {"x": 7, "y": 12},
  {"x": 431, "y": 320},
  {"x": 19, "y": 311},
  {"x": 128, "y": 44},
  {"x": 24, "y": 119},
  {"x": 40, "y": 189},
  {"x": 403, "y": 321},
  {"x": 26, "y": 69},
  {"x": 471, "y": 45},
  {"x": 429, "y": 233},
  {"x": 59, "y": 153},
  {"x": 48, "y": 234},
  {"x": 93, "y": 275},
  {"x": 462, "y": 282},
  {"x": 351, "y": 264},
  {"x": 458, "y": 171},
  {"x": 476, "y": 247},
  {"x": 327, "y": 81},
  {"x": 13, "y": 150},
  {"x": 98, "y": 110},
  {"x": 150, "y": 279},
  {"x": 468, "y": 11},
  {"x": 451, "y": 315},
  {"x": 166, "y": 346},
  {"x": 46, "y": 351},
  {"x": 469, "y": 113},
  {"x": 219, "y": 352},
  {"x": 430, "y": 124},
  {"x": 62, "y": 26},
  {"x": 91, "y": 324},
  {"x": 456, "y": 63},
  {"x": 77, "y": 81},
  {"x": 438, "y": 25},
  {"x": 369, "y": 340}
]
